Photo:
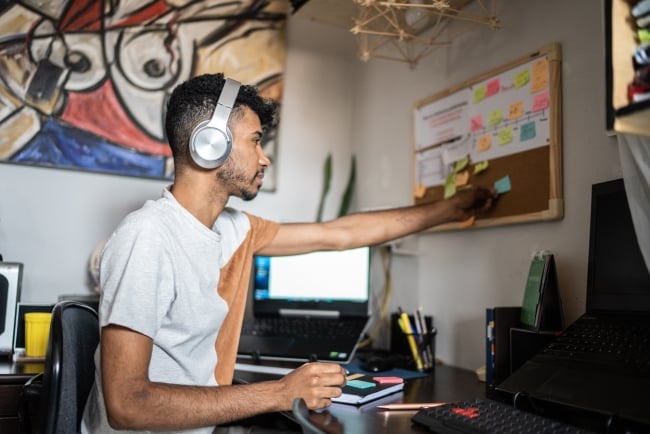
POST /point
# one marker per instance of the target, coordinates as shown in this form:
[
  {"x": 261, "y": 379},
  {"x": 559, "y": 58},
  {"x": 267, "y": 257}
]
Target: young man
[{"x": 174, "y": 275}]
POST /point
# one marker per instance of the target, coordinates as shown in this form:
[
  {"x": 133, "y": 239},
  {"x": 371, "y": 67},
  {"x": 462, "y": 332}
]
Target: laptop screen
[
  {"x": 617, "y": 277},
  {"x": 322, "y": 280}
]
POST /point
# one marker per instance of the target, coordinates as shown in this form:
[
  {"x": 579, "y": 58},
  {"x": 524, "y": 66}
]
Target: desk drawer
[
  {"x": 10, "y": 400},
  {"x": 9, "y": 425}
]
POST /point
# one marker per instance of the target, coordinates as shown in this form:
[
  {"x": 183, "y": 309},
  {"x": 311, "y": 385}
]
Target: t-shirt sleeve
[
  {"x": 136, "y": 271},
  {"x": 262, "y": 232}
]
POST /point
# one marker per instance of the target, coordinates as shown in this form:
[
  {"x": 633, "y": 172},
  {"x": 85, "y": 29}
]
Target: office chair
[
  {"x": 301, "y": 413},
  {"x": 69, "y": 371}
]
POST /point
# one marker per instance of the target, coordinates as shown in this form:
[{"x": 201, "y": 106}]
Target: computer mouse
[{"x": 376, "y": 364}]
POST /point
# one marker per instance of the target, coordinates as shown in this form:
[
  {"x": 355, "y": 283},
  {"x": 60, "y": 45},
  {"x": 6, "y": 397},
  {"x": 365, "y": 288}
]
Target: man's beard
[{"x": 246, "y": 189}]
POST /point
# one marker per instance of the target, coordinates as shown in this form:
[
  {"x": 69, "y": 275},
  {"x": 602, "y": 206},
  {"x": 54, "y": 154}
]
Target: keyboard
[
  {"x": 301, "y": 327},
  {"x": 610, "y": 342},
  {"x": 486, "y": 416}
]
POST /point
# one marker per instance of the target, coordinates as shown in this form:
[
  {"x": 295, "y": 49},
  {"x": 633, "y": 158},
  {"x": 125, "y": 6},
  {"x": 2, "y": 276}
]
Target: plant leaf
[
  {"x": 327, "y": 181},
  {"x": 349, "y": 188}
]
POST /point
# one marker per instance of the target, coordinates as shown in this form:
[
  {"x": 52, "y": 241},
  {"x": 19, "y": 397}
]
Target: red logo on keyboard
[{"x": 469, "y": 412}]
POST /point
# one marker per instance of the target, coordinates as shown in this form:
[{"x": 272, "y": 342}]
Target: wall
[
  {"x": 51, "y": 219},
  {"x": 459, "y": 274}
]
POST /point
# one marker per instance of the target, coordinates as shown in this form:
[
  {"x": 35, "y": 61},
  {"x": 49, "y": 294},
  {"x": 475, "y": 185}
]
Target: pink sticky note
[
  {"x": 540, "y": 102},
  {"x": 388, "y": 380},
  {"x": 492, "y": 87},
  {"x": 476, "y": 123}
]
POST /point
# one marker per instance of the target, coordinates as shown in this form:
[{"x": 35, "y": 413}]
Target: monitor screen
[
  {"x": 618, "y": 278},
  {"x": 322, "y": 276}
]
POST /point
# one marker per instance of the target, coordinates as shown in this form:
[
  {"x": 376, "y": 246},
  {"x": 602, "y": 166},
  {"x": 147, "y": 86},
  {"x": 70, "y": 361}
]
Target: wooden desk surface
[{"x": 446, "y": 383}]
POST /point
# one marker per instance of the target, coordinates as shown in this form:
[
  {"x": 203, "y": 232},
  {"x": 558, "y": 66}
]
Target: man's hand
[
  {"x": 317, "y": 383},
  {"x": 472, "y": 201}
]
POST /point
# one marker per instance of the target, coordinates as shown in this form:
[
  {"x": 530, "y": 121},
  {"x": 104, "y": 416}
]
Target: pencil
[{"x": 409, "y": 405}]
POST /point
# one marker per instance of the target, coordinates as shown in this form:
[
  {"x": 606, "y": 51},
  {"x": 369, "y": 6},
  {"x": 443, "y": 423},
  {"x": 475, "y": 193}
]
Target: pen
[
  {"x": 409, "y": 405},
  {"x": 405, "y": 325}
]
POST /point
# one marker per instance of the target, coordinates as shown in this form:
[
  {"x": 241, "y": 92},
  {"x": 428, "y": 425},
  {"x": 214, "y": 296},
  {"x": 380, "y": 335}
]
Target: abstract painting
[{"x": 84, "y": 83}]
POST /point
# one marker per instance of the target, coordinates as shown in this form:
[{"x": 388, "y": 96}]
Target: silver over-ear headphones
[{"x": 211, "y": 140}]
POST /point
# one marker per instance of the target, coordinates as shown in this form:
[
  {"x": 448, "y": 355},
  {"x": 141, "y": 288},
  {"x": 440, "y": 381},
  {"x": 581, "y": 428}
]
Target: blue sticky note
[
  {"x": 360, "y": 384},
  {"x": 527, "y": 132},
  {"x": 503, "y": 185}
]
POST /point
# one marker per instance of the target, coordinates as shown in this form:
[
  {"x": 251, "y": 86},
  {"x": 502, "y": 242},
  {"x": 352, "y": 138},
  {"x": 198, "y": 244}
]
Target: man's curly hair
[{"x": 194, "y": 101}]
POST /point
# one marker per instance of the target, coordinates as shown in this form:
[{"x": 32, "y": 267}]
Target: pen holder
[
  {"x": 400, "y": 343},
  {"x": 425, "y": 343}
]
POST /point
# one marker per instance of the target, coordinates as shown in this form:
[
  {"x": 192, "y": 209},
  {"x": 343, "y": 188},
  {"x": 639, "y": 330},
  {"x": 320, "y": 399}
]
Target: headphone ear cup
[
  {"x": 211, "y": 140},
  {"x": 210, "y": 146}
]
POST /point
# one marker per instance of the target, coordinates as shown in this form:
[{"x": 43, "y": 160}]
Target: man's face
[{"x": 243, "y": 171}]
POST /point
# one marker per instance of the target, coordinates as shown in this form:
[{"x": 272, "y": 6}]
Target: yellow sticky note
[
  {"x": 484, "y": 143},
  {"x": 467, "y": 223},
  {"x": 539, "y": 80},
  {"x": 462, "y": 178},
  {"x": 419, "y": 191},
  {"x": 516, "y": 110},
  {"x": 480, "y": 167}
]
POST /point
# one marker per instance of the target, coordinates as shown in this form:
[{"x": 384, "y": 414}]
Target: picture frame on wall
[{"x": 85, "y": 86}]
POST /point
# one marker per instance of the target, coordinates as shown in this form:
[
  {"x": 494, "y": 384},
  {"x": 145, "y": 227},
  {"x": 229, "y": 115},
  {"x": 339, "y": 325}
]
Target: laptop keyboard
[
  {"x": 301, "y": 327},
  {"x": 486, "y": 416},
  {"x": 608, "y": 341}
]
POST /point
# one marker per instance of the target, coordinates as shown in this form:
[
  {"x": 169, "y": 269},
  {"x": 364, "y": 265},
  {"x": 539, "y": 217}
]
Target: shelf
[
  {"x": 633, "y": 119},
  {"x": 627, "y": 118}
]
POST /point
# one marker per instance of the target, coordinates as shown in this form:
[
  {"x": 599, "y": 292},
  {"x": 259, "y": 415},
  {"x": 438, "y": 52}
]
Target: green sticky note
[
  {"x": 479, "y": 94},
  {"x": 461, "y": 164},
  {"x": 360, "y": 384},
  {"x": 495, "y": 117},
  {"x": 503, "y": 185},
  {"x": 450, "y": 185},
  {"x": 521, "y": 78},
  {"x": 505, "y": 136},
  {"x": 480, "y": 167}
]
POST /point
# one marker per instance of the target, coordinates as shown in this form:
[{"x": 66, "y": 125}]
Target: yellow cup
[{"x": 37, "y": 333}]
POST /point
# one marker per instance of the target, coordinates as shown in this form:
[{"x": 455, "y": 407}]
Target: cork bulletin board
[{"x": 501, "y": 129}]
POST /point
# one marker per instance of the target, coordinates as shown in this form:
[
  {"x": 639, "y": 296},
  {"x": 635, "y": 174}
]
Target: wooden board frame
[{"x": 535, "y": 174}]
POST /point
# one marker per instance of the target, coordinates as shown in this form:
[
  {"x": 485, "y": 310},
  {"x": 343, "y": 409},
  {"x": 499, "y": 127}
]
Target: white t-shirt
[{"x": 159, "y": 275}]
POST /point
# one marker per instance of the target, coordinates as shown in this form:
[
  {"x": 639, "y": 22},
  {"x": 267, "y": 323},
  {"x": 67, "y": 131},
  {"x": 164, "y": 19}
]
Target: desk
[
  {"x": 446, "y": 383},
  {"x": 12, "y": 378}
]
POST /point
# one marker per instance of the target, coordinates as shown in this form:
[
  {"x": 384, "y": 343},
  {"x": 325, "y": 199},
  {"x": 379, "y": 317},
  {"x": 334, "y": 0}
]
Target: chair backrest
[
  {"x": 301, "y": 413},
  {"x": 69, "y": 367}
]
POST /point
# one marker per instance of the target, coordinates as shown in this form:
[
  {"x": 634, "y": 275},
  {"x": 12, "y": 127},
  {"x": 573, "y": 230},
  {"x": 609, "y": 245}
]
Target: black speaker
[
  {"x": 211, "y": 140},
  {"x": 11, "y": 274}
]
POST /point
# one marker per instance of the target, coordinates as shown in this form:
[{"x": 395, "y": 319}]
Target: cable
[{"x": 386, "y": 293}]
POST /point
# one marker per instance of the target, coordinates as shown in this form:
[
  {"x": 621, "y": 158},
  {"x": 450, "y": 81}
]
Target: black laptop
[
  {"x": 600, "y": 364},
  {"x": 308, "y": 307}
]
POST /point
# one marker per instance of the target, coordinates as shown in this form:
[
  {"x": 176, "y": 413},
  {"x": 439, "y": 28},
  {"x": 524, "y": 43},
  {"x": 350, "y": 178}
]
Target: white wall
[
  {"x": 51, "y": 219},
  {"x": 461, "y": 273}
]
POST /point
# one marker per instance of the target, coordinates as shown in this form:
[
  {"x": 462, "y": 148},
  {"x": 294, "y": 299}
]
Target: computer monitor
[
  {"x": 617, "y": 274},
  {"x": 330, "y": 280}
]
